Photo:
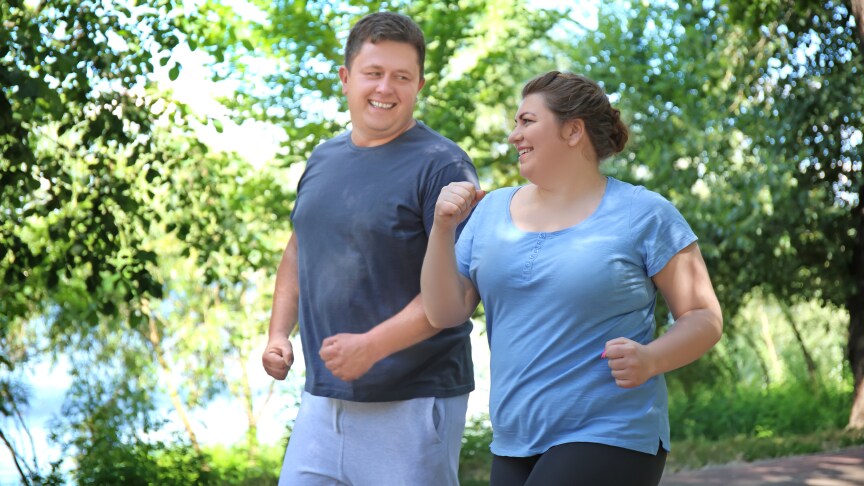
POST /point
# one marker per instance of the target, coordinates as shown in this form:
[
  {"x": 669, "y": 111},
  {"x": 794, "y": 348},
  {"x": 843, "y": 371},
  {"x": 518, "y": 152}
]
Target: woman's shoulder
[
  {"x": 499, "y": 196},
  {"x": 637, "y": 196},
  {"x": 502, "y": 192},
  {"x": 495, "y": 199}
]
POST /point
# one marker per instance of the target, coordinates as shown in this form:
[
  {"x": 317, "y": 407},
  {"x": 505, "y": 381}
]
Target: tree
[
  {"x": 743, "y": 137},
  {"x": 99, "y": 169},
  {"x": 813, "y": 109},
  {"x": 478, "y": 54},
  {"x": 74, "y": 142},
  {"x": 109, "y": 192}
]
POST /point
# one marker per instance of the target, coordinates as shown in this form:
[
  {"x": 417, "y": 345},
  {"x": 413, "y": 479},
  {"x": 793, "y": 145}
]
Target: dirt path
[{"x": 839, "y": 468}]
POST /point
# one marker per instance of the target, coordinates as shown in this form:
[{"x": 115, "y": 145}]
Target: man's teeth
[
  {"x": 524, "y": 151},
  {"x": 385, "y": 106}
]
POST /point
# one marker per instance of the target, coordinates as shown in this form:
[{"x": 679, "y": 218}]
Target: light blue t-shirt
[{"x": 552, "y": 301}]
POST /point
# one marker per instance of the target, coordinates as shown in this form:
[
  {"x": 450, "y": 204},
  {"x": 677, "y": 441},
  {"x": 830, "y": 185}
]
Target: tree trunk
[
  {"x": 252, "y": 430},
  {"x": 24, "y": 477},
  {"x": 766, "y": 373},
  {"x": 855, "y": 349},
  {"x": 857, "y": 9},
  {"x": 173, "y": 393},
  {"x": 856, "y": 312},
  {"x": 774, "y": 361},
  {"x": 808, "y": 358}
]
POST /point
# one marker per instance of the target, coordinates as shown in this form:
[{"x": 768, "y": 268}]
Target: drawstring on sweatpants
[{"x": 337, "y": 414}]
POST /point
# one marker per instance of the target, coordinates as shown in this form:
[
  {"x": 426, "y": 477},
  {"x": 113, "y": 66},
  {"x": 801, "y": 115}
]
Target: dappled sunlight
[
  {"x": 843, "y": 468},
  {"x": 149, "y": 158}
]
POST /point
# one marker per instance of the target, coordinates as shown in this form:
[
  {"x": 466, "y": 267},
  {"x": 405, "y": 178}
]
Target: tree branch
[{"x": 24, "y": 478}]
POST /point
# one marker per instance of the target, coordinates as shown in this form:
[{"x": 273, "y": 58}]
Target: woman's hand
[
  {"x": 632, "y": 363},
  {"x": 455, "y": 203}
]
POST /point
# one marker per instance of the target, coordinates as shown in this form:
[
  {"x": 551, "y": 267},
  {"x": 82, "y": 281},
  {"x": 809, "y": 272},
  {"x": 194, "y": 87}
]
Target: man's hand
[
  {"x": 278, "y": 358},
  {"x": 348, "y": 356}
]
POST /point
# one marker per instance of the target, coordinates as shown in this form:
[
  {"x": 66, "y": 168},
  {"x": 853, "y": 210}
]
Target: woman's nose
[{"x": 514, "y": 135}]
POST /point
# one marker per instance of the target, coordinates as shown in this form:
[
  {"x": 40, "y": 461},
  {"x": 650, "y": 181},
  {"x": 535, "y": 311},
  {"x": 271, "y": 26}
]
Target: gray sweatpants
[{"x": 411, "y": 443}]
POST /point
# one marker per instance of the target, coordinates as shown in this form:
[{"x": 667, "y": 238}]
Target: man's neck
[{"x": 363, "y": 140}]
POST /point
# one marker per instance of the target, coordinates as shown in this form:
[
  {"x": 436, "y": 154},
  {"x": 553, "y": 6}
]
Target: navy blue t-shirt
[{"x": 362, "y": 220}]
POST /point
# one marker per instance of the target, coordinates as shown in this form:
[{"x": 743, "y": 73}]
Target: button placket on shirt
[{"x": 526, "y": 270}]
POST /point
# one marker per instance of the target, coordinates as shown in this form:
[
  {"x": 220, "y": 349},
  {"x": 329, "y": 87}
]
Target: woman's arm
[
  {"x": 448, "y": 297},
  {"x": 686, "y": 286}
]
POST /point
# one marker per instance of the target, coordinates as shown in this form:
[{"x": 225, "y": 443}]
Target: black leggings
[{"x": 580, "y": 463}]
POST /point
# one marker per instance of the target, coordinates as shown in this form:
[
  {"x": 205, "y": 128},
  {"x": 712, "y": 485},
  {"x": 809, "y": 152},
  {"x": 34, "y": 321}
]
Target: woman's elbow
[
  {"x": 439, "y": 321},
  {"x": 438, "y": 324},
  {"x": 717, "y": 325},
  {"x": 444, "y": 312}
]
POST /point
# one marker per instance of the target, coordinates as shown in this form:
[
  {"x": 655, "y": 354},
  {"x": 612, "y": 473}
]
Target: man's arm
[
  {"x": 279, "y": 354},
  {"x": 349, "y": 356}
]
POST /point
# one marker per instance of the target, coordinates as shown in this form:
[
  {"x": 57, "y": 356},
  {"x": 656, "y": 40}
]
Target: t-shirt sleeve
[
  {"x": 458, "y": 171},
  {"x": 297, "y": 199},
  {"x": 309, "y": 164},
  {"x": 657, "y": 229},
  {"x": 465, "y": 241}
]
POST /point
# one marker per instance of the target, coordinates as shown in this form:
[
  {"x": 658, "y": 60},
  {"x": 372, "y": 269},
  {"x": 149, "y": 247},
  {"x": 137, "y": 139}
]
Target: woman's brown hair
[{"x": 570, "y": 97}]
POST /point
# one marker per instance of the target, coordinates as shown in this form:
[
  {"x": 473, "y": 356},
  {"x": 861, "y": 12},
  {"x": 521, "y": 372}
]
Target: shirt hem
[
  {"x": 593, "y": 440},
  {"x": 391, "y": 397}
]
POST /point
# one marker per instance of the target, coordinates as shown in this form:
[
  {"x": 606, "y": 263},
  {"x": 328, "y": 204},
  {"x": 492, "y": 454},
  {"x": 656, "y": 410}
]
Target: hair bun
[
  {"x": 573, "y": 96},
  {"x": 619, "y": 133}
]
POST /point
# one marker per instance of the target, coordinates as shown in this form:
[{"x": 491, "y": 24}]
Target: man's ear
[
  {"x": 343, "y": 76},
  {"x": 573, "y": 131}
]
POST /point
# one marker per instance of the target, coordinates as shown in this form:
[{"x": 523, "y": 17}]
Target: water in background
[{"x": 215, "y": 424}]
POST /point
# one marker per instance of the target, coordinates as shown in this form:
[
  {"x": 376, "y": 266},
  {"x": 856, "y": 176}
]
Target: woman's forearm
[
  {"x": 692, "y": 335},
  {"x": 448, "y": 297}
]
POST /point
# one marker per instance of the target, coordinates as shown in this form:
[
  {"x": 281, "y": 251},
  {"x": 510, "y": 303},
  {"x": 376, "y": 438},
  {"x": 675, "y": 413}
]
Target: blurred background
[{"x": 150, "y": 150}]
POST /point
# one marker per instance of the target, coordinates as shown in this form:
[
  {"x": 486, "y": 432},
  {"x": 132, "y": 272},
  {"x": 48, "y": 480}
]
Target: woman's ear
[{"x": 574, "y": 131}]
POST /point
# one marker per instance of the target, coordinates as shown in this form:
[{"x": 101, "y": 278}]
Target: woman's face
[{"x": 538, "y": 138}]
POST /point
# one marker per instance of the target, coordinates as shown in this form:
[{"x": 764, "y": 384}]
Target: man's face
[{"x": 381, "y": 87}]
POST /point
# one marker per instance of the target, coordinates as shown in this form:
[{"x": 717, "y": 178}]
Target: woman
[{"x": 568, "y": 268}]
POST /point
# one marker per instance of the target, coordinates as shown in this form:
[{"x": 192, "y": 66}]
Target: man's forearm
[
  {"x": 284, "y": 313},
  {"x": 349, "y": 356}
]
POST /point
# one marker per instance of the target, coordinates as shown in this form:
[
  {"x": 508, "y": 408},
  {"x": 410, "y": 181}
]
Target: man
[{"x": 386, "y": 394}]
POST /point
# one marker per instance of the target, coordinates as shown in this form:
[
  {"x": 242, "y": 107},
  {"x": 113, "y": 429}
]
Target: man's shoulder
[
  {"x": 335, "y": 142},
  {"x": 437, "y": 144}
]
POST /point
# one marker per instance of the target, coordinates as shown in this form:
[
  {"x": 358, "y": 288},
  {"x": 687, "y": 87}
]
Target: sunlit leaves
[{"x": 479, "y": 52}]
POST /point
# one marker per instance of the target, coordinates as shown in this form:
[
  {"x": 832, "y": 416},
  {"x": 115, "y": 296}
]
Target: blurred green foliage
[{"x": 145, "y": 258}]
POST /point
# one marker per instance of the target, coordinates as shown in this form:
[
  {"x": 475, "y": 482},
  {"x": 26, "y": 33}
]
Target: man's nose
[{"x": 385, "y": 85}]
